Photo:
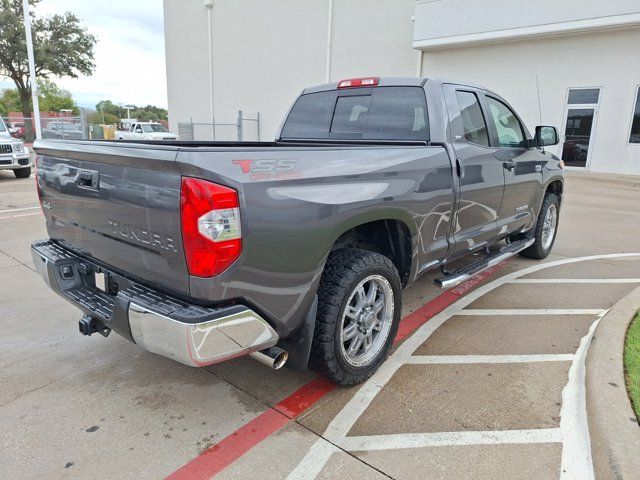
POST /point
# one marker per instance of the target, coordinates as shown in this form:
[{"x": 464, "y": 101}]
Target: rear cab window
[{"x": 375, "y": 113}]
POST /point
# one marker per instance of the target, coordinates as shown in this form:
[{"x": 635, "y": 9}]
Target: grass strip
[{"x": 632, "y": 363}]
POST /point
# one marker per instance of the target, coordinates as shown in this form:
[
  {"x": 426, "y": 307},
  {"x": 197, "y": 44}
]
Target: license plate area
[{"x": 101, "y": 281}]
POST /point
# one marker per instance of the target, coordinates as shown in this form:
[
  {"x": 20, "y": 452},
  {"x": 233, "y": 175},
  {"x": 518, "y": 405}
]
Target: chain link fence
[
  {"x": 242, "y": 128},
  {"x": 63, "y": 127}
]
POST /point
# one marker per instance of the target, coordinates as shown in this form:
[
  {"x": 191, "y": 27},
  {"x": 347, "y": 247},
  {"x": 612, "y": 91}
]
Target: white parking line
[
  {"x": 576, "y": 455},
  {"x": 447, "y": 439},
  {"x": 445, "y": 359},
  {"x": 314, "y": 461},
  {"x": 21, "y": 215},
  {"x": 576, "y": 280},
  {"x": 18, "y": 209},
  {"x": 532, "y": 311}
]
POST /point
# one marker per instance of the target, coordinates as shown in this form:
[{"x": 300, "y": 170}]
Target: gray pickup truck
[{"x": 299, "y": 248}]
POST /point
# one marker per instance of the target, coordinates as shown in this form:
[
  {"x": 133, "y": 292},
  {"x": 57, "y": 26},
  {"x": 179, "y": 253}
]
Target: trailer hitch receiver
[{"x": 89, "y": 325}]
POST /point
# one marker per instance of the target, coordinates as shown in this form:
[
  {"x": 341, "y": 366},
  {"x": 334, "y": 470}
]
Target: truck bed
[{"x": 118, "y": 204}]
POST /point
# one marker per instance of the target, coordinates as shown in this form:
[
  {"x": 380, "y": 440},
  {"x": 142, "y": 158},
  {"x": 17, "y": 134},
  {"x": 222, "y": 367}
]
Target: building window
[
  {"x": 579, "y": 125},
  {"x": 634, "y": 136},
  {"x": 579, "y": 96}
]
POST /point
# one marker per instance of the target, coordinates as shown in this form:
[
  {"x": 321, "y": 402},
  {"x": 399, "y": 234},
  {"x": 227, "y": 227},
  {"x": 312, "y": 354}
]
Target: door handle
[{"x": 509, "y": 165}]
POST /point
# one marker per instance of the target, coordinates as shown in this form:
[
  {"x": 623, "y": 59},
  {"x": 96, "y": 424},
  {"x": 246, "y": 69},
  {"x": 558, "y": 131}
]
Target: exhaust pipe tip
[{"x": 272, "y": 357}]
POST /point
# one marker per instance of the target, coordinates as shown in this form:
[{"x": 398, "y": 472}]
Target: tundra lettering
[{"x": 141, "y": 235}]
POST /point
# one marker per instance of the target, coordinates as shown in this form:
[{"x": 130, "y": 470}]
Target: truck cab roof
[{"x": 395, "y": 82}]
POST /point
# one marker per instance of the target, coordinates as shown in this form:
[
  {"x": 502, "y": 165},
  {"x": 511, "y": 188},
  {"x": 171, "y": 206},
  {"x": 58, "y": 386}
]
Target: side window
[
  {"x": 508, "y": 127},
  {"x": 475, "y": 127}
]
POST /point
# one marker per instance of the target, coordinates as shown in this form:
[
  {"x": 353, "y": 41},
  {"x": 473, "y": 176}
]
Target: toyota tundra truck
[{"x": 298, "y": 249}]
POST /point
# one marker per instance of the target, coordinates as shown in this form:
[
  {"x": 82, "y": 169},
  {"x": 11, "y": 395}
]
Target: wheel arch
[
  {"x": 555, "y": 186},
  {"x": 391, "y": 235}
]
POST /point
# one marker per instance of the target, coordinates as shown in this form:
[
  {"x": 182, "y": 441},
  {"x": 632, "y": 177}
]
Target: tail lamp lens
[{"x": 211, "y": 233}]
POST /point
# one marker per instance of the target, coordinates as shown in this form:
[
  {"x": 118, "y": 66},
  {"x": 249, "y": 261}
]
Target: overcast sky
[{"x": 129, "y": 55}]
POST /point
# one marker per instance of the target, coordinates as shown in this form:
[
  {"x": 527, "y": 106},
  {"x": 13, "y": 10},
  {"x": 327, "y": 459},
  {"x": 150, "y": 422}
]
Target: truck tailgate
[{"x": 118, "y": 204}]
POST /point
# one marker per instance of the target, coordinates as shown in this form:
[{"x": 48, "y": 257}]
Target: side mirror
[{"x": 545, "y": 135}]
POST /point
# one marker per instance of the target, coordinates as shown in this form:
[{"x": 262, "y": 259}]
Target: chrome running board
[{"x": 469, "y": 271}]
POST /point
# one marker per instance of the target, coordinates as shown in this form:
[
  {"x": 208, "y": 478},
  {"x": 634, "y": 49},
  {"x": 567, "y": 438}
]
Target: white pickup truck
[{"x": 145, "y": 131}]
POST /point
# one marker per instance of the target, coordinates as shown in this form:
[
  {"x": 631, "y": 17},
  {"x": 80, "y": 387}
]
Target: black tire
[
  {"x": 343, "y": 272},
  {"x": 22, "y": 172},
  {"x": 541, "y": 249}
]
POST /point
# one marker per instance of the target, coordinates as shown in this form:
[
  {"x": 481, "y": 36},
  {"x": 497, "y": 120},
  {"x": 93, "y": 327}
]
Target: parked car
[
  {"x": 64, "y": 130},
  {"x": 301, "y": 247},
  {"x": 145, "y": 131},
  {"x": 575, "y": 151},
  {"x": 17, "y": 129},
  {"x": 14, "y": 154}
]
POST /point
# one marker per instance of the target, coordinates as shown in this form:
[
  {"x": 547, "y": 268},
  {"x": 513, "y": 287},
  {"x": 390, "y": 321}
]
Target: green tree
[
  {"x": 107, "y": 106},
  {"x": 53, "y": 98},
  {"x": 62, "y": 48},
  {"x": 9, "y": 101},
  {"x": 144, "y": 114},
  {"x": 97, "y": 118},
  {"x": 149, "y": 113}
]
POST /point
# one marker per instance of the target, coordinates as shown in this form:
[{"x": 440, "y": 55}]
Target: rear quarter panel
[{"x": 297, "y": 201}]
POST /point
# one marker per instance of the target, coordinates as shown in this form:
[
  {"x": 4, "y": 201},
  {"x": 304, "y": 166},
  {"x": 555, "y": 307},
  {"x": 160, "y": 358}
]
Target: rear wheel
[
  {"x": 22, "y": 172},
  {"x": 359, "y": 303},
  {"x": 546, "y": 229}
]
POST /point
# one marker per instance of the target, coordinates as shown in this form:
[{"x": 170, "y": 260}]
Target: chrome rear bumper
[
  {"x": 200, "y": 344},
  {"x": 162, "y": 324}
]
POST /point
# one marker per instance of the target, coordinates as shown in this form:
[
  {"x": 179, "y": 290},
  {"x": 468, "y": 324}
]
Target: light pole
[
  {"x": 329, "y": 41},
  {"x": 209, "y": 6},
  {"x": 32, "y": 69},
  {"x": 128, "y": 108}
]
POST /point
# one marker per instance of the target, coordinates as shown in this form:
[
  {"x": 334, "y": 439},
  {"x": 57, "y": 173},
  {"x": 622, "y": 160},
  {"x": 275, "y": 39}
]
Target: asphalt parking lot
[{"x": 487, "y": 381}]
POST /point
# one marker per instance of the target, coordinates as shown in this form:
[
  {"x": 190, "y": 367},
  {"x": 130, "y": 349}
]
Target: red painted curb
[
  {"x": 228, "y": 450},
  {"x": 218, "y": 457},
  {"x": 430, "y": 309}
]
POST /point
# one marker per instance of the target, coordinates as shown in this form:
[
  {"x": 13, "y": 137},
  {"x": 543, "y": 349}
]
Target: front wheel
[
  {"x": 359, "y": 303},
  {"x": 545, "y": 230}
]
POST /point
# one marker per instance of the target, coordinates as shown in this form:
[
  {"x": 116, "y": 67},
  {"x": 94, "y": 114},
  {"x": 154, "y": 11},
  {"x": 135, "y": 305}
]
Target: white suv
[{"x": 14, "y": 154}]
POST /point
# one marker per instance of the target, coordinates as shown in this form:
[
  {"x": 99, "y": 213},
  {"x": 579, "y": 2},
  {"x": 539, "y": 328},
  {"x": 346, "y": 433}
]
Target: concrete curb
[
  {"x": 629, "y": 181},
  {"x": 613, "y": 427}
]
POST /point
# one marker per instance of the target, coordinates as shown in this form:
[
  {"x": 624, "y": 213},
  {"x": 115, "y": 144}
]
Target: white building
[{"x": 582, "y": 55}]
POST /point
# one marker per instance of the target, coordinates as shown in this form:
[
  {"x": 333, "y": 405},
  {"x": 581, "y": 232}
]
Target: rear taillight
[
  {"x": 210, "y": 217},
  {"x": 359, "y": 82}
]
